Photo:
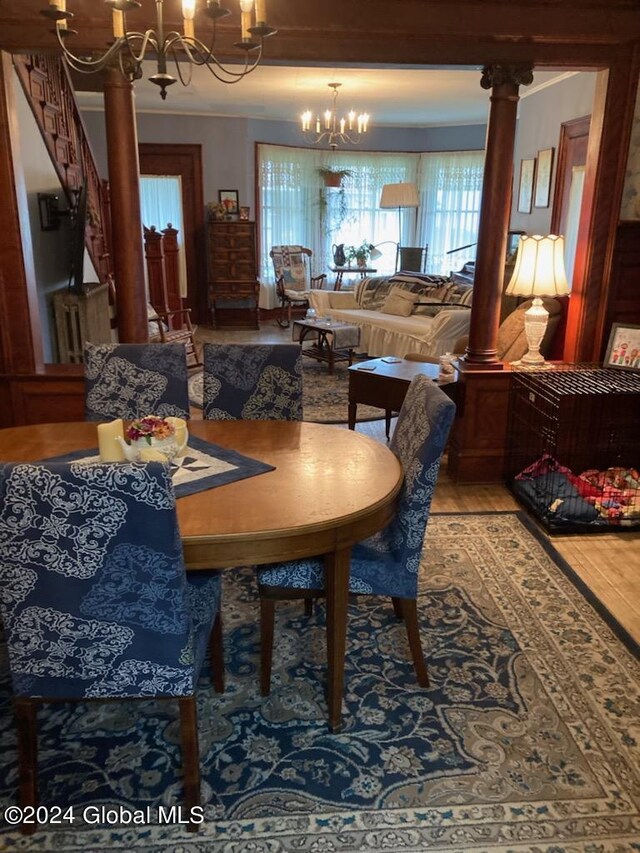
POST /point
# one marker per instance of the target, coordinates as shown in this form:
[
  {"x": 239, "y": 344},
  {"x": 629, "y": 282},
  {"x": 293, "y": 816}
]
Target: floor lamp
[{"x": 399, "y": 195}]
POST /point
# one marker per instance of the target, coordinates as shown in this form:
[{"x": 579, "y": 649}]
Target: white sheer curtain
[
  {"x": 161, "y": 204},
  {"x": 288, "y": 183},
  {"x": 450, "y": 190},
  {"x": 296, "y": 207},
  {"x": 365, "y": 221}
]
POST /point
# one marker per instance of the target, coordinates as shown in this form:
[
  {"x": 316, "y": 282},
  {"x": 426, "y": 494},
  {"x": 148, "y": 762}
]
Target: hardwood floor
[{"x": 608, "y": 563}]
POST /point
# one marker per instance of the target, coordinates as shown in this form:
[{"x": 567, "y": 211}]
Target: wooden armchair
[{"x": 162, "y": 331}]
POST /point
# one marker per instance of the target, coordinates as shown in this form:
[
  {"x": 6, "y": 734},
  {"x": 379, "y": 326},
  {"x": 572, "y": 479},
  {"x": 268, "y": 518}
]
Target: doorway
[
  {"x": 185, "y": 161},
  {"x": 572, "y": 158}
]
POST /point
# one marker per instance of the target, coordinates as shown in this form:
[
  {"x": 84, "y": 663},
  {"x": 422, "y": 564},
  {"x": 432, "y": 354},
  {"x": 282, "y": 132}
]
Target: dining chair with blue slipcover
[
  {"x": 388, "y": 562},
  {"x": 254, "y": 382},
  {"x": 95, "y": 600},
  {"x": 133, "y": 380}
]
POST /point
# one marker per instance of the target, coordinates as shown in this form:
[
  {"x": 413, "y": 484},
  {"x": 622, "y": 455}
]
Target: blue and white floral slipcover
[
  {"x": 133, "y": 380},
  {"x": 387, "y": 563},
  {"x": 252, "y": 382},
  {"x": 93, "y": 591}
]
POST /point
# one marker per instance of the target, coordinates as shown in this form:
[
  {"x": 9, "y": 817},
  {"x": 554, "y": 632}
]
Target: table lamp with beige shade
[{"x": 539, "y": 271}]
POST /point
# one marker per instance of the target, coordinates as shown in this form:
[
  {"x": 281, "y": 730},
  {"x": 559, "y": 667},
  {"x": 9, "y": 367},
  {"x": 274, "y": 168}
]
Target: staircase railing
[{"x": 49, "y": 91}]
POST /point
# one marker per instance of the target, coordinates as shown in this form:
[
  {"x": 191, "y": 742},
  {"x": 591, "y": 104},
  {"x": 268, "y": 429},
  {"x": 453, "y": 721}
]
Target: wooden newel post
[
  {"x": 155, "y": 269},
  {"x": 172, "y": 270},
  {"x": 495, "y": 210}
]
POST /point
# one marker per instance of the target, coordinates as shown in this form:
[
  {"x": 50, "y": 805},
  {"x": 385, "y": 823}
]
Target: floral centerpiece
[
  {"x": 149, "y": 428},
  {"x": 216, "y": 210}
]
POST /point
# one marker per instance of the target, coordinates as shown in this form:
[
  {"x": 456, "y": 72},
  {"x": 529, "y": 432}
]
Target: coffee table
[
  {"x": 384, "y": 382},
  {"x": 334, "y": 341}
]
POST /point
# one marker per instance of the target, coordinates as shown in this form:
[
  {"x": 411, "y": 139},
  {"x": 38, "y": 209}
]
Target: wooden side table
[
  {"x": 383, "y": 382},
  {"x": 340, "y": 271}
]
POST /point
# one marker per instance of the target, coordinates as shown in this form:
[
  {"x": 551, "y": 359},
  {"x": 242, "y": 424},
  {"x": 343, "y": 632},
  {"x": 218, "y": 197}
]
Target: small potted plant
[
  {"x": 359, "y": 253},
  {"x": 216, "y": 210}
]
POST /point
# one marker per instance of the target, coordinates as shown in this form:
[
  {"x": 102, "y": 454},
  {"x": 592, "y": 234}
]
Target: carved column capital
[{"x": 497, "y": 75}]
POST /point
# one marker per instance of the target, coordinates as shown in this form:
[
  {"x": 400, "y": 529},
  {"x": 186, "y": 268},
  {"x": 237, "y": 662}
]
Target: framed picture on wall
[
  {"x": 229, "y": 198},
  {"x": 623, "y": 349},
  {"x": 543, "y": 178},
  {"x": 525, "y": 189}
]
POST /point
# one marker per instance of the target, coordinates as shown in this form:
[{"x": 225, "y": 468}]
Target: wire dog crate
[{"x": 573, "y": 448}]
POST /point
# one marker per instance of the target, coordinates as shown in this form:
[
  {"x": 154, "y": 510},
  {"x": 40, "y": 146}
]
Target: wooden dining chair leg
[
  {"x": 190, "y": 754},
  {"x": 308, "y": 607},
  {"x": 27, "y": 725},
  {"x": 216, "y": 655},
  {"x": 267, "y": 619},
  {"x": 397, "y": 608},
  {"x": 409, "y": 609}
]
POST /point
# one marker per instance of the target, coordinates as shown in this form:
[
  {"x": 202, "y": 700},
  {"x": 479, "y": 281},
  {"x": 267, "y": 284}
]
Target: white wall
[{"x": 539, "y": 119}]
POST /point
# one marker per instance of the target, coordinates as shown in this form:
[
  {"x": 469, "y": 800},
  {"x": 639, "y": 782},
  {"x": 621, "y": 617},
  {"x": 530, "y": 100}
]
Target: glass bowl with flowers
[{"x": 153, "y": 435}]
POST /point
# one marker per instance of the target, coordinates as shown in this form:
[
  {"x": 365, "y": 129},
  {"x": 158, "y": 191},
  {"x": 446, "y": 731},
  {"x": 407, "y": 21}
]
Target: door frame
[
  {"x": 570, "y": 133},
  {"x": 157, "y": 158}
]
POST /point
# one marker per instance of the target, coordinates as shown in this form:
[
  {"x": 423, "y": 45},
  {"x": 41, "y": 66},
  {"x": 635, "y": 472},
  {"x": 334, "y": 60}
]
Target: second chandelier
[{"x": 336, "y": 131}]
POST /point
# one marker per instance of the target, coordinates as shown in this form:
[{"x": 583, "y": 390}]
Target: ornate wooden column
[
  {"x": 126, "y": 220},
  {"x": 495, "y": 210}
]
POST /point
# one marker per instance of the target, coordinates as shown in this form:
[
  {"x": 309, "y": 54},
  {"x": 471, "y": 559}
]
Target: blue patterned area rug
[{"x": 526, "y": 741}]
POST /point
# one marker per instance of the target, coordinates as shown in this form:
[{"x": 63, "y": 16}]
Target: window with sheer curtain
[
  {"x": 296, "y": 208},
  {"x": 450, "y": 189},
  {"x": 161, "y": 204}
]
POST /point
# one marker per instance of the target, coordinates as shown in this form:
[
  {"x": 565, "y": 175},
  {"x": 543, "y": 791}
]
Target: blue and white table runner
[{"x": 203, "y": 466}]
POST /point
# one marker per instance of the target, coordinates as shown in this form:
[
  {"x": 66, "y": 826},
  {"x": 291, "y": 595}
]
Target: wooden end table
[
  {"x": 340, "y": 271},
  {"x": 383, "y": 382},
  {"x": 324, "y": 349}
]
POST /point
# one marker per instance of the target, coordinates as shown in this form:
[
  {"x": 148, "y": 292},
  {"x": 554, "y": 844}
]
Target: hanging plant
[
  {"x": 333, "y": 208},
  {"x": 333, "y": 177}
]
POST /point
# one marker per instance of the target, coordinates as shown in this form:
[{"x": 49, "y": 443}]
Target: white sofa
[{"x": 428, "y": 330}]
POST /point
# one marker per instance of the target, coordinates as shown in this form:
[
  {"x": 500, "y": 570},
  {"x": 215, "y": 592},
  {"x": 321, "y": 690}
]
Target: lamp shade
[
  {"x": 539, "y": 269},
  {"x": 399, "y": 195}
]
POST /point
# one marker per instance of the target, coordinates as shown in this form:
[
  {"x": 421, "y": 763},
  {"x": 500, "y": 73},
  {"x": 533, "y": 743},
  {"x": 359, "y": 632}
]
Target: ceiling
[{"x": 407, "y": 97}]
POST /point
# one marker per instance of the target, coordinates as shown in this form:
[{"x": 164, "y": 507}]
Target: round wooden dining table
[{"x": 329, "y": 488}]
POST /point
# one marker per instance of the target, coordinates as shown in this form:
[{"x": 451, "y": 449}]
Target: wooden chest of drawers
[{"x": 233, "y": 274}]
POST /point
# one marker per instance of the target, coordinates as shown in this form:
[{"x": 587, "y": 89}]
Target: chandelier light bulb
[
  {"x": 130, "y": 47},
  {"x": 334, "y": 129}
]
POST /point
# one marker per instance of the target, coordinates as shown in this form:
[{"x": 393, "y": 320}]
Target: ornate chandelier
[
  {"x": 336, "y": 131},
  {"x": 129, "y": 48}
]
